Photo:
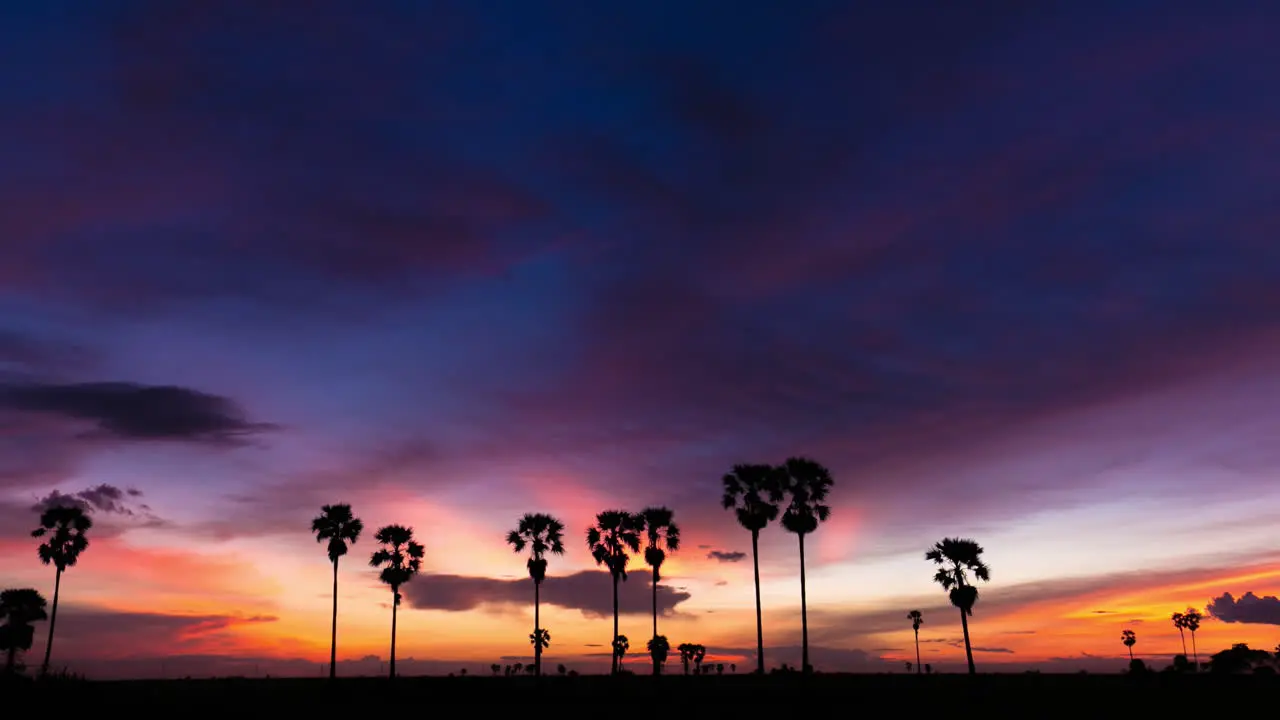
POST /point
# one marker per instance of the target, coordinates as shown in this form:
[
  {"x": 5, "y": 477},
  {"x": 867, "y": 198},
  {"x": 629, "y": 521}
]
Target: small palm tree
[
  {"x": 615, "y": 533},
  {"x": 19, "y": 608},
  {"x": 916, "y": 621},
  {"x": 699, "y": 654},
  {"x": 495, "y": 669},
  {"x": 659, "y": 648},
  {"x": 65, "y": 527},
  {"x": 806, "y": 483},
  {"x": 663, "y": 536},
  {"x": 1191, "y": 619},
  {"x": 686, "y": 655},
  {"x": 542, "y": 534},
  {"x": 1129, "y": 638},
  {"x": 959, "y": 559},
  {"x": 753, "y": 493},
  {"x": 541, "y": 640},
  {"x": 620, "y": 647},
  {"x": 337, "y": 525},
  {"x": 562, "y": 670},
  {"x": 399, "y": 560}
]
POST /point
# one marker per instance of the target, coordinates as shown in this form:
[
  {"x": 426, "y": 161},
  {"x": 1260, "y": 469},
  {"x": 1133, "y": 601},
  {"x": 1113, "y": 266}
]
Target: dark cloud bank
[
  {"x": 1249, "y": 608},
  {"x": 589, "y": 591}
]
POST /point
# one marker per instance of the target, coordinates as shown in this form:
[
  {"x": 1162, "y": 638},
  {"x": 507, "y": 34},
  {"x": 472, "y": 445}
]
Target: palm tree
[
  {"x": 958, "y": 559},
  {"x": 542, "y": 534},
  {"x": 686, "y": 655},
  {"x": 1129, "y": 638},
  {"x": 338, "y": 526},
  {"x": 1192, "y": 619},
  {"x": 807, "y": 483},
  {"x": 663, "y": 536},
  {"x": 1180, "y": 622},
  {"x": 66, "y": 527},
  {"x": 19, "y": 608},
  {"x": 615, "y": 533},
  {"x": 753, "y": 493},
  {"x": 541, "y": 640},
  {"x": 699, "y": 653},
  {"x": 620, "y": 647},
  {"x": 659, "y": 648},
  {"x": 916, "y": 621},
  {"x": 399, "y": 560}
]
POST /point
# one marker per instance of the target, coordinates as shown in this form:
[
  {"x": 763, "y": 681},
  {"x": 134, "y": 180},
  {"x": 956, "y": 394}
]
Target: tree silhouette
[
  {"x": 686, "y": 655},
  {"x": 620, "y": 647},
  {"x": 806, "y": 483},
  {"x": 541, "y": 640},
  {"x": 1180, "y": 622},
  {"x": 753, "y": 493},
  {"x": 542, "y": 534},
  {"x": 958, "y": 559},
  {"x": 1191, "y": 619},
  {"x": 917, "y": 620},
  {"x": 495, "y": 669},
  {"x": 399, "y": 560},
  {"x": 65, "y": 527},
  {"x": 1129, "y": 638},
  {"x": 19, "y": 608},
  {"x": 337, "y": 525},
  {"x": 615, "y": 533},
  {"x": 699, "y": 654},
  {"x": 659, "y": 648},
  {"x": 662, "y": 535}
]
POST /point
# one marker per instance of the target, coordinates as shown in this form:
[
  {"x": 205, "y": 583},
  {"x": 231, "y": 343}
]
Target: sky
[{"x": 1009, "y": 270}]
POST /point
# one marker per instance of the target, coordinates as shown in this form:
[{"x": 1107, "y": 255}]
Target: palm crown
[
  {"x": 339, "y": 526},
  {"x": 400, "y": 560},
  {"x": 542, "y": 534},
  {"x": 753, "y": 493},
  {"x": 1129, "y": 638},
  {"x": 615, "y": 533},
  {"x": 807, "y": 483},
  {"x": 19, "y": 608},
  {"x": 959, "y": 558},
  {"x": 662, "y": 534},
  {"x": 916, "y": 618},
  {"x": 65, "y": 527}
]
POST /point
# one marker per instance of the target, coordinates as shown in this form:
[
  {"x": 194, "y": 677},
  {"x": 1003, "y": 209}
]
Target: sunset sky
[{"x": 1010, "y": 270}]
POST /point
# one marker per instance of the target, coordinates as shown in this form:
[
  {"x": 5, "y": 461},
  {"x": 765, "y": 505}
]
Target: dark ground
[{"x": 835, "y": 695}]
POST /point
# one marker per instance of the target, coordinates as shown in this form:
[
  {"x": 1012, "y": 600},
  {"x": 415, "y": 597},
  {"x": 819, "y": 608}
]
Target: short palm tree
[
  {"x": 659, "y": 648},
  {"x": 917, "y": 620},
  {"x": 686, "y": 655},
  {"x": 1129, "y": 638},
  {"x": 753, "y": 493},
  {"x": 336, "y": 526},
  {"x": 65, "y": 528},
  {"x": 960, "y": 558},
  {"x": 662, "y": 536},
  {"x": 1180, "y": 622},
  {"x": 620, "y": 647},
  {"x": 19, "y": 608},
  {"x": 615, "y": 533},
  {"x": 699, "y": 654},
  {"x": 398, "y": 561},
  {"x": 1191, "y": 619},
  {"x": 806, "y": 483},
  {"x": 542, "y": 534},
  {"x": 540, "y": 638}
]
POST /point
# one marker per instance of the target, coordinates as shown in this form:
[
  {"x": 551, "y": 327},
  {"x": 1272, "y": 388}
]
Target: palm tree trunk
[
  {"x": 918, "y": 669},
  {"x": 53, "y": 620},
  {"x": 804, "y": 614},
  {"x": 657, "y": 668},
  {"x": 1130, "y": 653},
  {"x": 1195, "y": 655},
  {"x": 613, "y": 649},
  {"x": 1184, "y": 642},
  {"x": 755, "y": 561},
  {"x": 968, "y": 649},
  {"x": 395, "y": 605},
  {"x": 333, "y": 633},
  {"x": 537, "y": 628}
]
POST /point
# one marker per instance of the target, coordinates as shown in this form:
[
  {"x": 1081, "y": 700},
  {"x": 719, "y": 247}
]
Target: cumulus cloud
[
  {"x": 1248, "y": 609},
  {"x": 103, "y": 498},
  {"x": 726, "y": 556},
  {"x": 589, "y": 591}
]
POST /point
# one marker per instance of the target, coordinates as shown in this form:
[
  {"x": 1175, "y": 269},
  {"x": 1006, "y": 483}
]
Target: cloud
[
  {"x": 589, "y": 591},
  {"x": 89, "y": 632},
  {"x": 103, "y": 498},
  {"x": 726, "y": 557},
  {"x": 137, "y": 412},
  {"x": 1249, "y": 608}
]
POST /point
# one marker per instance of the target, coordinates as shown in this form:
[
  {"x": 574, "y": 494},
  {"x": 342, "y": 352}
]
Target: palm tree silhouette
[
  {"x": 338, "y": 526},
  {"x": 916, "y": 621},
  {"x": 1180, "y": 622},
  {"x": 1191, "y": 619},
  {"x": 541, "y": 640},
  {"x": 753, "y": 493},
  {"x": 542, "y": 534},
  {"x": 1129, "y": 638},
  {"x": 615, "y": 533},
  {"x": 807, "y": 483},
  {"x": 399, "y": 560},
  {"x": 699, "y": 654},
  {"x": 65, "y": 527},
  {"x": 959, "y": 558},
  {"x": 686, "y": 655},
  {"x": 663, "y": 536},
  {"x": 659, "y": 648},
  {"x": 19, "y": 608},
  {"x": 620, "y": 647}
]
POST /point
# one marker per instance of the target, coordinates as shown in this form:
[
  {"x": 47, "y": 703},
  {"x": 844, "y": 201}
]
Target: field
[{"x": 1023, "y": 696}]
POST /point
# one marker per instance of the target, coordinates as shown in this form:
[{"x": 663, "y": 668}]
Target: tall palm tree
[
  {"x": 1180, "y": 622},
  {"x": 399, "y": 560},
  {"x": 753, "y": 493},
  {"x": 337, "y": 525},
  {"x": 615, "y": 533},
  {"x": 960, "y": 558},
  {"x": 916, "y": 621},
  {"x": 1129, "y": 638},
  {"x": 542, "y": 534},
  {"x": 1192, "y": 619},
  {"x": 806, "y": 483},
  {"x": 663, "y": 536},
  {"x": 659, "y": 648},
  {"x": 65, "y": 527},
  {"x": 19, "y": 608}
]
